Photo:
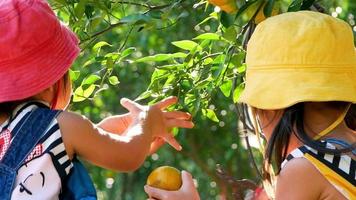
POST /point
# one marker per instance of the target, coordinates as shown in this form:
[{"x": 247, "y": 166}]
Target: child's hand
[
  {"x": 187, "y": 191},
  {"x": 158, "y": 121}
]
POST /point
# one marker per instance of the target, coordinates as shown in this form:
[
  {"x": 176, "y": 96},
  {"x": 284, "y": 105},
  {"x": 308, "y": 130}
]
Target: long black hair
[{"x": 292, "y": 122}]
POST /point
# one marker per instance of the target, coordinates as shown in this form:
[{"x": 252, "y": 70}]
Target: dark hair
[{"x": 278, "y": 143}]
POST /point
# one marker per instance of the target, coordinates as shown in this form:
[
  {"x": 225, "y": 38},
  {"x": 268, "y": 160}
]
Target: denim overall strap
[{"x": 27, "y": 137}]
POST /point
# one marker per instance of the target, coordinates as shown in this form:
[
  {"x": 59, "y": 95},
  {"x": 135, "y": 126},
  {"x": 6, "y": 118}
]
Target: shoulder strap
[
  {"x": 342, "y": 143},
  {"x": 28, "y": 136}
]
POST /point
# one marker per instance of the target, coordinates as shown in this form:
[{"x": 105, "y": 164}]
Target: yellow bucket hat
[{"x": 298, "y": 57}]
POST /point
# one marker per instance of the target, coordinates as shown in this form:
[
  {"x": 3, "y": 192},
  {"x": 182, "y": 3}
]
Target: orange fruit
[
  {"x": 228, "y": 6},
  {"x": 166, "y": 178}
]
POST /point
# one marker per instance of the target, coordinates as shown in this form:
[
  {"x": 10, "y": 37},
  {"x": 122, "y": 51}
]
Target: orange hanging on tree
[{"x": 228, "y": 6}]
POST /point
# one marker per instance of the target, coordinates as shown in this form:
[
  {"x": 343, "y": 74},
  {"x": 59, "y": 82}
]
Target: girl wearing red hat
[
  {"x": 35, "y": 56},
  {"x": 301, "y": 88}
]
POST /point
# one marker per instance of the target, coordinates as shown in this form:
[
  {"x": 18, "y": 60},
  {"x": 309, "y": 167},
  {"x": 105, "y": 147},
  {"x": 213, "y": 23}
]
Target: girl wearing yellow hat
[{"x": 301, "y": 89}]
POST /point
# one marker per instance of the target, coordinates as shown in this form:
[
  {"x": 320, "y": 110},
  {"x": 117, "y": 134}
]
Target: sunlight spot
[
  {"x": 221, "y": 124},
  {"x": 207, "y": 28},
  {"x": 334, "y": 14},
  {"x": 234, "y": 146},
  {"x": 155, "y": 156},
  {"x": 339, "y": 10},
  {"x": 217, "y": 9},
  {"x": 109, "y": 183},
  {"x": 213, "y": 184},
  {"x": 214, "y": 128},
  {"x": 223, "y": 112}
]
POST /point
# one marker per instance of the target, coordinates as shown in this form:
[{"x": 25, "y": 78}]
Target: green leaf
[
  {"x": 144, "y": 95},
  {"x": 244, "y": 8},
  {"x": 89, "y": 62},
  {"x": 267, "y": 10},
  {"x": 226, "y": 88},
  {"x": 89, "y": 9},
  {"x": 109, "y": 63},
  {"x": 79, "y": 95},
  {"x": 89, "y": 91},
  {"x": 208, "y": 61},
  {"x": 94, "y": 23},
  {"x": 208, "y": 36},
  {"x": 237, "y": 92},
  {"x": 295, "y": 5},
  {"x": 161, "y": 57},
  {"x": 237, "y": 59},
  {"x": 241, "y": 69},
  {"x": 226, "y": 19},
  {"x": 156, "y": 14},
  {"x": 100, "y": 44},
  {"x": 209, "y": 113},
  {"x": 127, "y": 52},
  {"x": 91, "y": 79},
  {"x": 230, "y": 34},
  {"x": 158, "y": 74},
  {"x": 79, "y": 9},
  {"x": 175, "y": 131},
  {"x": 187, "y": 45},
  {"x": 63, "y": 2},
  {"x": 77, "y": 98},
  {"x": 74, "y": 75},
  {"x": 307, "y": 4},
  {"x": 136, "y": 19},
  {"x": 114, "y": 80}
]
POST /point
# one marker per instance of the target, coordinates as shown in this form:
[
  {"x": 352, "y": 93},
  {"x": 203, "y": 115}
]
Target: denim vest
[{"x": 78, "y": 184}]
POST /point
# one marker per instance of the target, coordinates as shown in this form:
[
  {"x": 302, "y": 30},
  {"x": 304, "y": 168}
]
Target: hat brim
[
  {"x": 273, "y": 89},
  {"x": 38, "y": 69}
]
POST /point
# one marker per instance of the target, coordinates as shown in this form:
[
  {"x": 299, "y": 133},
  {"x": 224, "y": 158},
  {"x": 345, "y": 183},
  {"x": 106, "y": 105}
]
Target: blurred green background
[{"x": 115, "y": 34}]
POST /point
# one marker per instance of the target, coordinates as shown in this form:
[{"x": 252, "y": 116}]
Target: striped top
[
  {"x": 339, "y": 170},
  {"x": 44, "y": 171}
]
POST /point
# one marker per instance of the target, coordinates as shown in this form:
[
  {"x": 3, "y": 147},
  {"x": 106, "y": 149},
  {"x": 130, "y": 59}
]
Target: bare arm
[
  {"x": 103, "y": 148},
  {"x": 299, "y": 179},
  {"x": 125, "y": 152}
]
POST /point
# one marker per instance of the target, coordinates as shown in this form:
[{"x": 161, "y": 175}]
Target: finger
[
  {"x": 130, "y": 105},
  {"x": 156, "y": 144},
  {"x": 172, "y": 141},
  {"x": 187, "y": 180},
  {"x": 165, "y": 103},
  {"x": 155, "y": 193},
  {"x": 179, "y": 123},
  {"x": 178, "y": 115}
]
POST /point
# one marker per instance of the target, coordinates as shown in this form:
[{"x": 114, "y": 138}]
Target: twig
[{"x": 103, "y": 31}]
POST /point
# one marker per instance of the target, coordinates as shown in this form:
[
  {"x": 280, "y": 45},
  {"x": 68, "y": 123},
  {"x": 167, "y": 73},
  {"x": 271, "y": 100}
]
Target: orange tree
[{"x": 147, "y": 50}]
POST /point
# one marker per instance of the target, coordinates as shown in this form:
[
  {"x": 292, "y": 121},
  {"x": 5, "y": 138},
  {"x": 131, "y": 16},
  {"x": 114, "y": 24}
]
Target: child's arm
[{"x": 113, "y": 151}]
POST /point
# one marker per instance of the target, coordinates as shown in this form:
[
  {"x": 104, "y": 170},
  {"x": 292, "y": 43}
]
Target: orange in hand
[{"x": 166, "y": 178}]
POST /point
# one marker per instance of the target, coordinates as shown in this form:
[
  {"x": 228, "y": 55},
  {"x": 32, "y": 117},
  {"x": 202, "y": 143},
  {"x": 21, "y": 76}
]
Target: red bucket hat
[{"x": 36, "y": 50}]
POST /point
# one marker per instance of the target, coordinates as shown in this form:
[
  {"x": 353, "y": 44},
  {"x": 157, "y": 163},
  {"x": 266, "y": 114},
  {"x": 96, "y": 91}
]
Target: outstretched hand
[
  {"x": 160, "y": 122},
  {"x": 187, "y": 191}
]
